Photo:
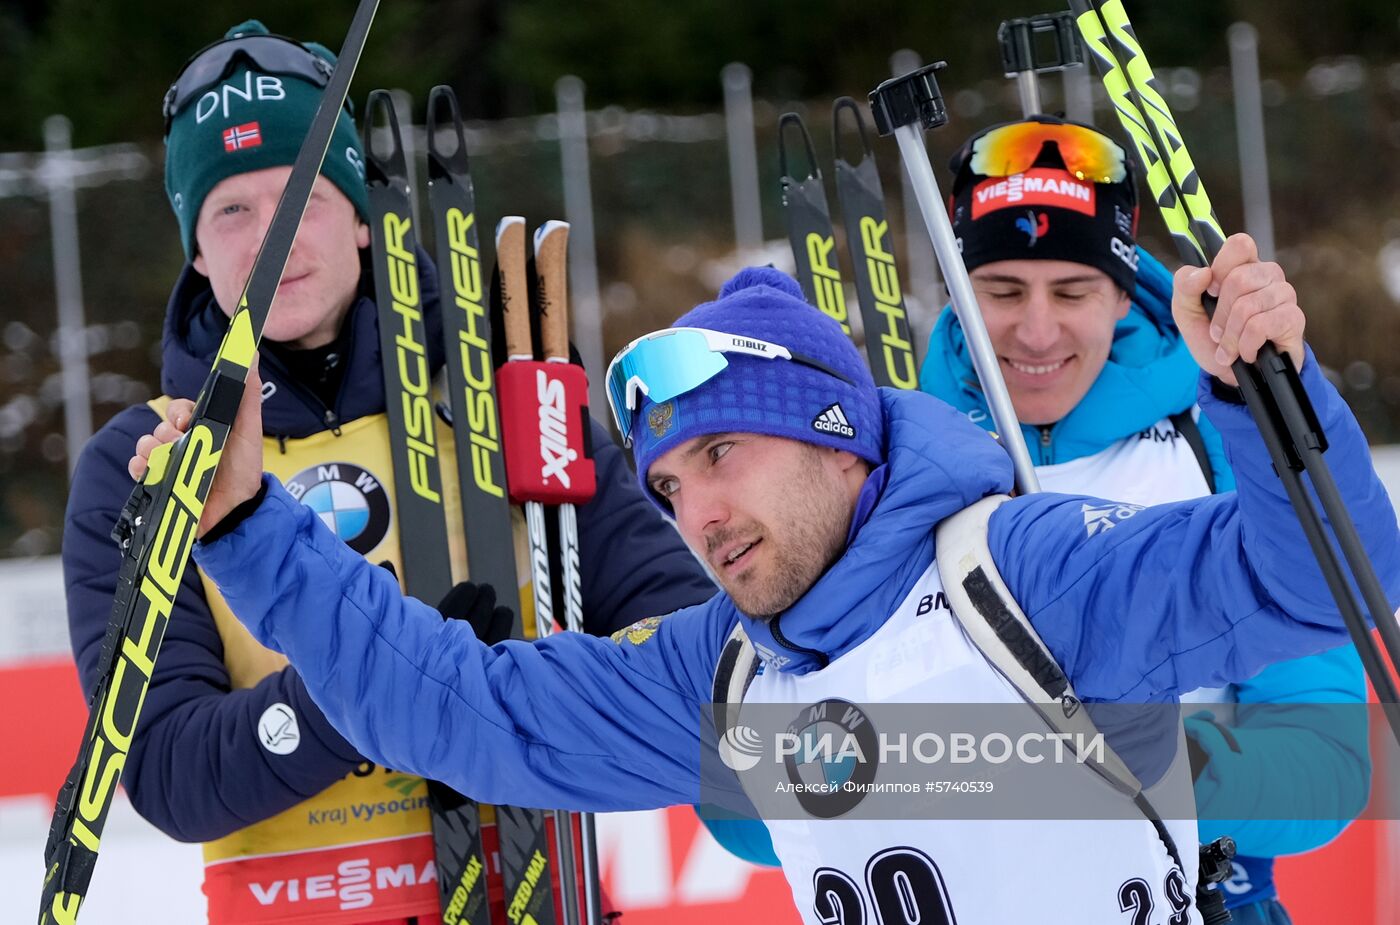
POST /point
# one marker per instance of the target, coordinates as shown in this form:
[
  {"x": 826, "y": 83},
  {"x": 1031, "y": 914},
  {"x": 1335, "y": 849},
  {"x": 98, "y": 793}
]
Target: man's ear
[
  {"x": 361, "y": 234},
  {"x": 846, "y": 460},
  {"x": 198, "y": 263},
  {"x": 1125, "y": 302}
]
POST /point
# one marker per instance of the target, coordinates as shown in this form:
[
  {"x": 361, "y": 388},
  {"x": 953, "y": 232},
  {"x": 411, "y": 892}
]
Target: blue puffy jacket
[
  {"x": 195, "y": 769},
  {"x": 581, "y": 723}
]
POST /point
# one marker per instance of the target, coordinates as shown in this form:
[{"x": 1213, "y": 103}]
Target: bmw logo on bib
[
  {"x": 835, "y": 759},
  {"x": 348, "y": 499}
]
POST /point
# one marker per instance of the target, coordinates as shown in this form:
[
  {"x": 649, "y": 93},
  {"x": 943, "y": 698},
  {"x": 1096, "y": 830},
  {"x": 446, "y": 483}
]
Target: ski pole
[
  {"x": 552, "y": 303},
  {"x": 902, "y": 106},
  {"x": 1270, "y": 386},
  {"x": 158, "y": 523},
  {"x": 1024, "y": 56},
  {"x": 548, "y": 460},
  {"x": 528, "y": 848}
]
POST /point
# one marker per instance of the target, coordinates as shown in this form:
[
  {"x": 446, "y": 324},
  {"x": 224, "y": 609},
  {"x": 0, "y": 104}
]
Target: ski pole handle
[
  {"x": 515, "y": 308},
  {"x": 551, "y": 266}
]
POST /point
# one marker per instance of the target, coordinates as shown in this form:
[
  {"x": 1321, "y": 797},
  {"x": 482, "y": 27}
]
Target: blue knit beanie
[{"x": 776, "y": 397}]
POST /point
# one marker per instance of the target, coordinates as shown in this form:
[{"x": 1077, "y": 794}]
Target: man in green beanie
[
  {"x": 229, "y": 149},
  {"x": 230, "y": 750}
]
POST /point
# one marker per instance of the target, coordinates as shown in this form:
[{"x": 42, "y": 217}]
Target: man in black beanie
[{"x": 1046, "y": 213}]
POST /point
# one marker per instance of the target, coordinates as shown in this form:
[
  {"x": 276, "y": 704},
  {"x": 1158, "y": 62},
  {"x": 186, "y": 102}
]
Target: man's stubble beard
[{"x": 817, "y": 518}]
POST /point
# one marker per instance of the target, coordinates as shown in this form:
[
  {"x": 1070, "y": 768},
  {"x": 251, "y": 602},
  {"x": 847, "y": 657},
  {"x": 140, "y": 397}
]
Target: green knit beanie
[{"x": 251, "y": 121}]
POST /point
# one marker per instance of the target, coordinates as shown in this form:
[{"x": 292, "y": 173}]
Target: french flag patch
[{"x": 247, "y": 135}]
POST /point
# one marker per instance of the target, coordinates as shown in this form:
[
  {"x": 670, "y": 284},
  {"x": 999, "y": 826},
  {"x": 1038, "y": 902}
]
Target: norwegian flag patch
[{"x": 247, "y": 135}]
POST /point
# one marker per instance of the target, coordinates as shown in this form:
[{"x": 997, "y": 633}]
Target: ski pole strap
[{"x": 543, "y": 398}]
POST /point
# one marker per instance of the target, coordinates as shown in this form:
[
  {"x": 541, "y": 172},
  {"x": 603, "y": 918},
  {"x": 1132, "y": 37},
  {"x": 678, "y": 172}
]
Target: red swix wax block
[{"x": 544, "y": 426}]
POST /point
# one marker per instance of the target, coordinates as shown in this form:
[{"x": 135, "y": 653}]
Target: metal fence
[{"x": 668, "y": 222}]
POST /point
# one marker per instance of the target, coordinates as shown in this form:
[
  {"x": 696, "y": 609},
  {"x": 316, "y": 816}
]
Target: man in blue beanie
[
  {"x": 814, "y": 497},
  {"x": 231, "y": 750}
]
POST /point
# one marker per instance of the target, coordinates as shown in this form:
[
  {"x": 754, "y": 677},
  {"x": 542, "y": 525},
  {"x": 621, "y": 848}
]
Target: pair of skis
[
  {"x": 1271, "y": 387},
  {"x": 541, "y": 428},
  {"x": 158, "y": 524},
  {"x": 868, "y": 237}
]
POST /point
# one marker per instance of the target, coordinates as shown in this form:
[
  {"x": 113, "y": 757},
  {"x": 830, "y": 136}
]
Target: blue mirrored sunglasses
[{"x": 665, "y": 364}]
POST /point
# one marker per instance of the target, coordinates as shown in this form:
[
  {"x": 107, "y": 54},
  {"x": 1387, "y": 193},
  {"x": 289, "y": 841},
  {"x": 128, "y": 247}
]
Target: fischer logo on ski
[
  {"x": 809, "y": 229},
  {"x": 826, "y": 278},
  {"x": 412, "y": 356},
  {"x": 896, "y": 350},
  {"x": 475, "y": 351}
]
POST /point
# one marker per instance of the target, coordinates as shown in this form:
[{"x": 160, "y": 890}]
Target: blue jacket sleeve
[
  {"x": 571, "y": 721},
  {"x": 1299, "y": 741},
  {"x": 195, "y": 770},
  {"x": 1312, "y": 758},
  {"x": 620, "y": 529},
  {"x": 1139, "y": 605}
]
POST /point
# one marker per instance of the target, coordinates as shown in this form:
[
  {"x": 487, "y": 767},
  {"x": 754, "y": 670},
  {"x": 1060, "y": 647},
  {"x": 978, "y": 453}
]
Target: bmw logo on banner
[{"x": 348, "y": 499}]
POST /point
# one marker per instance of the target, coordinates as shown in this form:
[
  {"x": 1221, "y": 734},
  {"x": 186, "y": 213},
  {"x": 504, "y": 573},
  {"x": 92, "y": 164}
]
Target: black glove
[
  {"x": 474, "y": 603},
  {"x": 477, "y": 605}
]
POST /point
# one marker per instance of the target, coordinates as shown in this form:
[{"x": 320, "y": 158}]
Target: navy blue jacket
[{"x": 195, "y": 769}]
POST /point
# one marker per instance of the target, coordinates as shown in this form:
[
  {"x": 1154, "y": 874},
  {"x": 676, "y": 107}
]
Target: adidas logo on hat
[{"x": 833, "y": 421}]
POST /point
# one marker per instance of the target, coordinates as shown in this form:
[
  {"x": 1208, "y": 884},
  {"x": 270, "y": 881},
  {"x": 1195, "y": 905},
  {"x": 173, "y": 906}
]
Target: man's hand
[
  {"x": 240, "y": 468},
  {"x": 1255, "y": 305}
]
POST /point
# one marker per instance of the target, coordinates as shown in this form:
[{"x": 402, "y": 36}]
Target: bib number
[
  {"x": 903, "y": 885},
  {"x": 1135, "y": 896}
]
